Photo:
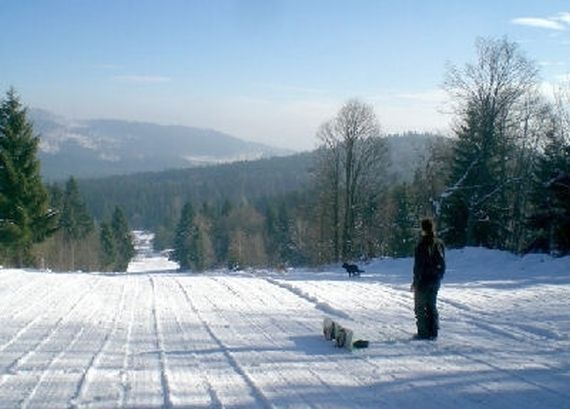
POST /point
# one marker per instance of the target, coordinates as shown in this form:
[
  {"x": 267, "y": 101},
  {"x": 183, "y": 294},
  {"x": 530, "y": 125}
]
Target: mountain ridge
[{"x": 106, "y": 147}]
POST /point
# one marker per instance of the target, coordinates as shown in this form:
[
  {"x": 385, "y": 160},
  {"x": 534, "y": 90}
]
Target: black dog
[{"x": 352, "y": 269}]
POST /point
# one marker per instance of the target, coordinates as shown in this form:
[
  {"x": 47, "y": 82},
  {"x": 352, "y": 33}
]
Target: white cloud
[
  {"x": 560, "y": 22},
  {"x": 142, "y": 79},
  {"x": 547, "y": 23},
  {"x": 564, "y": 17}
]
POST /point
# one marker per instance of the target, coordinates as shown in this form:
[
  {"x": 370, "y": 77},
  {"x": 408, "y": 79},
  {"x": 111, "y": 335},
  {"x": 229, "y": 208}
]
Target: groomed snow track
[{"x": 143, "y": 340}]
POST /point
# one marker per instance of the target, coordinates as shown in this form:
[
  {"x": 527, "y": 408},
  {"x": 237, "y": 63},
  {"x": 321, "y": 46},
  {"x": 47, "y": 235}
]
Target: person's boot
[{"x": 423, "y": 332}]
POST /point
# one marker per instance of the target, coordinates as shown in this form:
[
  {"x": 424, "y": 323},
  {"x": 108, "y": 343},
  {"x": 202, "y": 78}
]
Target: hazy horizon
[{"x": 268, "y": 72}]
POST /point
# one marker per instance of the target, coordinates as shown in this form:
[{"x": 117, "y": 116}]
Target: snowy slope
[{"x": 153, "y": 337}]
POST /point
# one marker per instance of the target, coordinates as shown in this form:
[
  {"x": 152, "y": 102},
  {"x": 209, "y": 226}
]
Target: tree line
[
  {"x": 500, "y": 181},
  {"x": 47, "y": 226}
]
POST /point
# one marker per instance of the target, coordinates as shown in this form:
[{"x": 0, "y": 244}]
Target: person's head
[{"x": 427, "y": 227}]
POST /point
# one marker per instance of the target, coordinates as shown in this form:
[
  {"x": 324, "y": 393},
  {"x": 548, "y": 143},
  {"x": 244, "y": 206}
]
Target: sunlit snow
[{"x": 154, "y": 337}]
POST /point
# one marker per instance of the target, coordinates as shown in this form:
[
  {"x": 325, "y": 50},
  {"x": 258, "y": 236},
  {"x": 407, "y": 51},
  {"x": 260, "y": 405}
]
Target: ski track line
[
  {"x": 257, "y": 393},
  {"x": 93, "y": 362},
  {"x": 401, "y": 300},
  {"x": 39, "y": 301},
  {"x": 124, "y": 391},
  {"x": 324, "y": 307},
  {"x": 471, "y": 317},
  {"x": 252, "y": 293},
  {"x": 376, "y": 367},
  {"x": 27, "y": 400},
  {"x": 516, "y": 375},
  {"x": 39, "y": 298},
  {"x": 167, "y": 400},
  {"x": 260, "y": 329},
  {"x": 47, "y": 336},
  {"x": 493, "y": 328},
  {"x": 479, "y": 319},
  {"x": 317, "y": 302},
  {"x": 256, "y": 353},
  {"x": 508, "y": 331},
  {"x": 7, "y": 305},
  {"x": 368, "y": 360},
  {"x": 283, "y": 330},
  {"x": 216, "y": 402},
  {"x": 523, "y": 336}
]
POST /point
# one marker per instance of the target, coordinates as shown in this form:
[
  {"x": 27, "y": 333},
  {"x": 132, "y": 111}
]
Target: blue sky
[{"x": 269, "y": 71}]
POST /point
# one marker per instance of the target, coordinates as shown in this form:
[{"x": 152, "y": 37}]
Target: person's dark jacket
[{"x": 429, "y": 262}]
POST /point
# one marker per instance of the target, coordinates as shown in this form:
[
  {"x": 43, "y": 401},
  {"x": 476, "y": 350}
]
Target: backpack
[{"x": 436, "y": 254}]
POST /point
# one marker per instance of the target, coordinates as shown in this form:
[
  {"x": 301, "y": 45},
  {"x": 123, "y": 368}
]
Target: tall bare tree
[
  {"x": 329, "y": 180},
  {"x": 354, "y": 158}
]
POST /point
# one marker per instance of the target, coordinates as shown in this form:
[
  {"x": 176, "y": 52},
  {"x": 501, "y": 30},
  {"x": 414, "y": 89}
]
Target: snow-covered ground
[{"x": 153, "y": 337}]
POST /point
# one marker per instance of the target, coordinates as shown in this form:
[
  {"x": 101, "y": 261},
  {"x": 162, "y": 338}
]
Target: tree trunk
[{"x": 348, "y": 216}]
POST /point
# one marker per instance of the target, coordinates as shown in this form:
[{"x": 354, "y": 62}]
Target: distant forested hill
[
  {"x": 153, "y": 197},
  {"x": 150, "y": 198},
  {"x": 408, "y": 151}
]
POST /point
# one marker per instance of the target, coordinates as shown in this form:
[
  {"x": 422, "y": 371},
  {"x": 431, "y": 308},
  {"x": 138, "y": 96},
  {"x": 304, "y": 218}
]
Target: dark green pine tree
[
  {"x": 108, "y": 255},
  {"x": 75, "y": 221},
  {"x": 55, "y": 193},
  {"x": 183, "y": 239},
  {"x": 471, "y": 208},
  {"x": 550, "y": 219},
  {"x": 220, "y": 233},
  {"x": 280, "y": 247},
  {"x": 25, "y": 216},
  {"x": 272, "y": 235},
  {"x": 123, "y": 239},
  {"x": 197, "y": 257},
  {"x": 403, "y": 237}
]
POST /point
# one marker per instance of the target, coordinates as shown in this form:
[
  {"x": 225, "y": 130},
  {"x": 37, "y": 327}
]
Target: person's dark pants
[{"x": 425, "y": 308}]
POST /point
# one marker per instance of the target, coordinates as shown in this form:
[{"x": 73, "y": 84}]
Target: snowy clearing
[{"x": 253, "y": 339}]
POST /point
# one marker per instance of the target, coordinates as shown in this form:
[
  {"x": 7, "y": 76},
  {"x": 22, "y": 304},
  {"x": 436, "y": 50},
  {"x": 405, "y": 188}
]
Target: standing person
[{"x": 429, "y": 267}]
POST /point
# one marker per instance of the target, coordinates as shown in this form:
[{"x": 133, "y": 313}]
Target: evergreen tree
[
  {"x": 123, "y": 239},
  {"x": 472, "y": 207},
  {"x": 403, "y": 237},
  {"x": 278, "y": 236},
  {"x": 75, "y": 221},
  {"x": 108, "y": 255},
  {"x": 488, "y": 95},
  {"x": 551, "y": 197},
  {"x": 184, "y": 238},
  {"x": 25, "y": 216},
  {"x": 197, "y": 250},
  {"x": 55, "y": 193},
  {"x": 220, "y": 233}
]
